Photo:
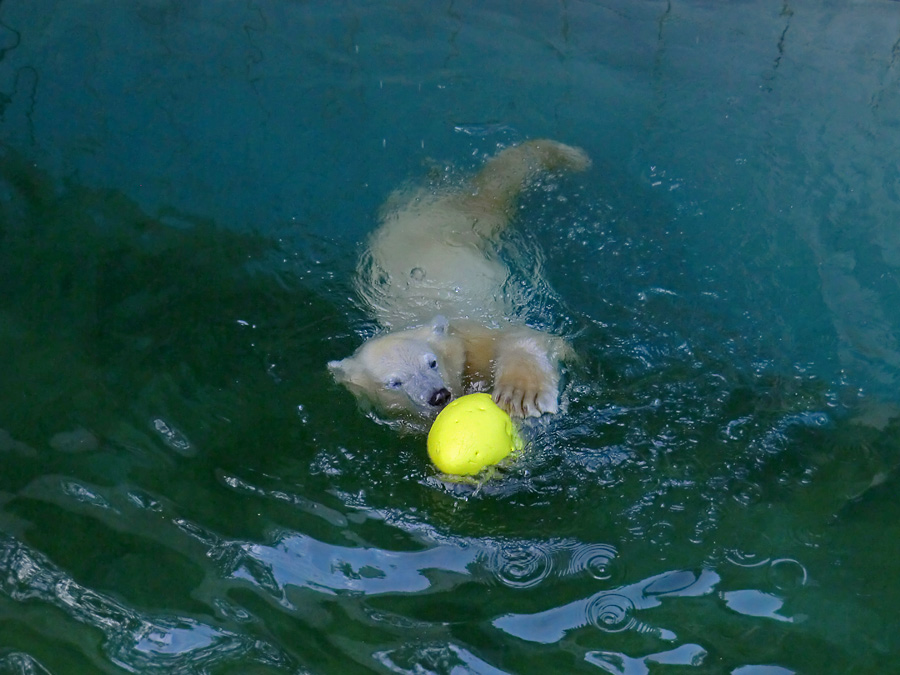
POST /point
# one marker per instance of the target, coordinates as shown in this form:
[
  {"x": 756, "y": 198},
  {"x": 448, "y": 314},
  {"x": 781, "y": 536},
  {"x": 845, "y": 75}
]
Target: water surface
[{"x": 184, "y": 189}]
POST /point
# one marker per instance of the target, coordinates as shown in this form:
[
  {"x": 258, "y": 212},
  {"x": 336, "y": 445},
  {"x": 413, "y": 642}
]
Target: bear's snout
[{"x": 440, "y": 398}]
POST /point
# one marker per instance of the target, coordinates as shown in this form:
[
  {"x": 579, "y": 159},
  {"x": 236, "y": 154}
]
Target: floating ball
[{"x": 471, "y": 433}]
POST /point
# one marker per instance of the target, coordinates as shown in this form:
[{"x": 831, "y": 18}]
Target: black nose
[{"x": 440, "y": 398}]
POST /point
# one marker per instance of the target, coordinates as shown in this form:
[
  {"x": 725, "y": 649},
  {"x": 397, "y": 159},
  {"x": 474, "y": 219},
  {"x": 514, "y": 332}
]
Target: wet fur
[{"x": 434, "y": 257}]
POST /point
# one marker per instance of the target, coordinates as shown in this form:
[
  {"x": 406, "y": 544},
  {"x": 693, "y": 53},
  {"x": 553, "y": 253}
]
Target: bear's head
[{"x": 414, "y": 372}]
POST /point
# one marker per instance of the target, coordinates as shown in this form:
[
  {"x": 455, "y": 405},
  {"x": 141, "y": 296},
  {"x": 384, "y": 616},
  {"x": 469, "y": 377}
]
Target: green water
[{"x": 184, "y": 489}]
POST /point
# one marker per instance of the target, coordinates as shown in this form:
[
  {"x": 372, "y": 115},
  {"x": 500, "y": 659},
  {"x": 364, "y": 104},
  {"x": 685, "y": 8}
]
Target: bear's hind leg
[{"x": 505, "y": 175}]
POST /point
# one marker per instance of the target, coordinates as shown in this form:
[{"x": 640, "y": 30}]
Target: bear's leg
[
  {"x": 526, "y": 375},
  {"x": 505, "y": 175}
]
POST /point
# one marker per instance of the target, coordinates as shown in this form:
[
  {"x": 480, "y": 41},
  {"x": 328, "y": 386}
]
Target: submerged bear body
[{"x": 433, "y": 280}]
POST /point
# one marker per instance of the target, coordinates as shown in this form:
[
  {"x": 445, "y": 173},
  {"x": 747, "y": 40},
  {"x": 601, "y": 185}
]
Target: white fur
[{"x": 434, "y": 256}]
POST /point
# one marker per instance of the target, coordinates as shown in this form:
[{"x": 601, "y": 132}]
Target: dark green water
[{"x": 183, "y": 187}]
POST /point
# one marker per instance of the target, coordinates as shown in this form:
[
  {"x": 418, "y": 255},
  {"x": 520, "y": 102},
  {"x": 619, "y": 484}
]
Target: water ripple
[
  {"x": 744, "y": 559},
  {"x": 611, "y": 612},
  {"x": 521, "y": 565},
  {"x": 787, "y": 574},
  {"x": 661, "y": 533},
  {"x": 600, "y": 561},
  {"x": 10, "y": 444},
  {"x": 173, "y": 437},
  {"x": 745, "y": 492},
  {"x": 135, "y": 641},
  {"x": 77, "y": 440},
  {"x": 83, "y": 494},
  {"x": 19, "y": 662}
]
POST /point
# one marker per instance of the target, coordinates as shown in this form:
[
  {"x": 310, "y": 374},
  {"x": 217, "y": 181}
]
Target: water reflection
[
  {"x": 610, "y": 611},
  {"x": 18, "y": 663},
  {"x": 731, "y": 285},
  {"x": 622, "y": 664},
  {"x": 300, "y": 561},
  {"x": 520, "y": 565},
  {"x": 600, "y": 561},
  {"x": 434, "y": 658},
  {"x": 132, "y": 639},
  {"x": 303, "y": 562},
  {"x": 755, "y": 603}
]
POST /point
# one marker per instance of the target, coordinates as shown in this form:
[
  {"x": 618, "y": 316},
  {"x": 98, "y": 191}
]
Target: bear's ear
[{"x": 440, "y": 325}]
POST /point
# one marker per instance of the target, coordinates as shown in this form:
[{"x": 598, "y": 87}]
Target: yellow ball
[{"x": 471, "y": 433}]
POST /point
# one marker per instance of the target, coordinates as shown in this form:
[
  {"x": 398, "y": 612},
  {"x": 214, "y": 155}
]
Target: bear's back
[{"x": 427, "y": 258}]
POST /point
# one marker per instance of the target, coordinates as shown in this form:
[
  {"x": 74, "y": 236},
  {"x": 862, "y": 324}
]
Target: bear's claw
[{"x": 519, "y": 402}]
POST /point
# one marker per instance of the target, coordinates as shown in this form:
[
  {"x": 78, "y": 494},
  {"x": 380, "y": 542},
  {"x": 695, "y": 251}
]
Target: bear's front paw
[
  {"x": 526, "y": 397},
  {"x": 526, "y": 377}
]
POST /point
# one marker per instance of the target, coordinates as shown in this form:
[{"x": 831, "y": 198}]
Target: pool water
[{"x": 184, "y": 193}]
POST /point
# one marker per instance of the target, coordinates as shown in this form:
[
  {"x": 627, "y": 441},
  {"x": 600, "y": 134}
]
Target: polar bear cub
[{"x": 432, "y": 279}]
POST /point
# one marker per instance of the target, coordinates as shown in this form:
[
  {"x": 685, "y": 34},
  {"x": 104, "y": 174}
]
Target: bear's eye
[
  {"x": 432, "y": 364},
  {"x": 395, "y": 383}
]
